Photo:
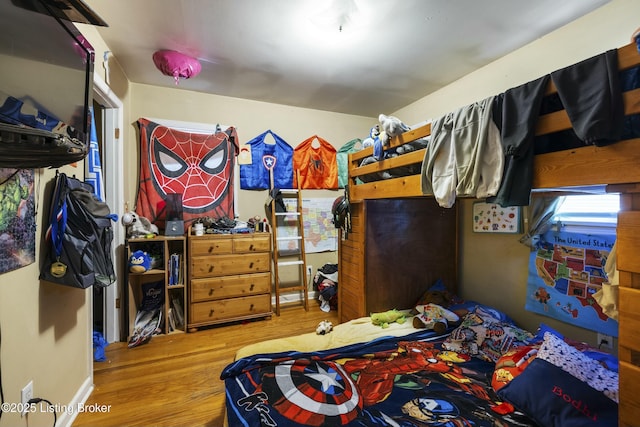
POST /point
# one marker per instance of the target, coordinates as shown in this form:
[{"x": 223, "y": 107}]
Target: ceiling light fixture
[
  {"x": 339, "y": 13},
  {"x": 333, "y": 24}
]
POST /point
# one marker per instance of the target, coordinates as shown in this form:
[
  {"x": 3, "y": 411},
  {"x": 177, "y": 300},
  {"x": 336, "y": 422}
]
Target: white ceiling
[{"x": 388, "y": 54}]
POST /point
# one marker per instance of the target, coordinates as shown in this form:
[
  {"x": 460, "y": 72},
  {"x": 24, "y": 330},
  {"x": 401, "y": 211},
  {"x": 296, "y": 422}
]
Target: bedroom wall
[
  {"x": 46, "y": 335},
  {"x": 494, "y": 267},
  {"x": 40, "y": 318},
  {"x": 250, "y": 118},
  {"x": 45, "y": 329}
]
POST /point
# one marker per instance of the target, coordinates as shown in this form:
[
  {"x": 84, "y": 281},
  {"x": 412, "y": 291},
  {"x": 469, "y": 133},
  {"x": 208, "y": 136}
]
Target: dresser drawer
[
  {"x": 230, "y": 286},
  {"x": 211, "y": 246},
  {"x": 225, "y": 265},
  {"x": 252, "y": 244},
  {"x": 213, "y": 311}
]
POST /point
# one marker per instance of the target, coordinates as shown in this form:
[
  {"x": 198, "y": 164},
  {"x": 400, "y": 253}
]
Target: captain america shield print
[{"x": 313, "y": 393}]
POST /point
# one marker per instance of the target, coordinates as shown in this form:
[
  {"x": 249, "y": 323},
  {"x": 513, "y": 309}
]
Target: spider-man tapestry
[{"x": 198, "y": 166}]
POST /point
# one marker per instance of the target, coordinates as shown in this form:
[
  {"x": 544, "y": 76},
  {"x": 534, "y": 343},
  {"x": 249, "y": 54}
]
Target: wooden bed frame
[{"x": 616, "y": 166}]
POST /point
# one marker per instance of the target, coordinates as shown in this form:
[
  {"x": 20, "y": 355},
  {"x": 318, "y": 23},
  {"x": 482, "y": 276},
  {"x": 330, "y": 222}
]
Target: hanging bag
[
  {"x": 265, "y": 156},
  {"x": 318, "y": 166},
  {"x": 79, "y": 237},
  {"x": 342, "y": 157}
]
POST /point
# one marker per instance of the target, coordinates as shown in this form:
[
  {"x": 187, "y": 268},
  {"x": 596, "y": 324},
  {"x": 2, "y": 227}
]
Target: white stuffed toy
[
  {"x": 138, "y": 226},
  {"x": 324, "y": 327},
  {"x": 390, "y": 126},
  {"x": 393, "y": 126}
]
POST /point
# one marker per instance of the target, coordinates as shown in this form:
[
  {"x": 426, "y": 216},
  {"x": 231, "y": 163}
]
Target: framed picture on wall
[{"x": 493, "y": 218}]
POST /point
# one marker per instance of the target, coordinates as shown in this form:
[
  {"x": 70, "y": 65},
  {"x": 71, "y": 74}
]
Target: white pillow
[{"x": 557, "y": 352}]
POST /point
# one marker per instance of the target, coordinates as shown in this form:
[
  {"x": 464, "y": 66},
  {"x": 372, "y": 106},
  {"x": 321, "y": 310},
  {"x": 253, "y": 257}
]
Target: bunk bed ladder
[{"x": 297, "y": 257}]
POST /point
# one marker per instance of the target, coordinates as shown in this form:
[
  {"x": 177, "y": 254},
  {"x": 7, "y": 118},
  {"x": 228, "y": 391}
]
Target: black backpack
[{"x": 79, "y": 237}]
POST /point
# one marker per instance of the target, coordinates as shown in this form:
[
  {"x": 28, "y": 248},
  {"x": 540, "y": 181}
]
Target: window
[{"x": 589, "y": 210}]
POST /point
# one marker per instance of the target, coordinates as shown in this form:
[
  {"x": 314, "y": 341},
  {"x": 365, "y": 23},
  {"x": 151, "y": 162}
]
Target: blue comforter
[{"x": 392, "y": 381}]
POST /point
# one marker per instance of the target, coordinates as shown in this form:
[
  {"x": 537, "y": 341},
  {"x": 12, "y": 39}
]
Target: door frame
[{"x": 113, "y": 177}]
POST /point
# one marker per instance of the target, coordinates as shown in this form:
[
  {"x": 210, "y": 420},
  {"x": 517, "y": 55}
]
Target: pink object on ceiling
[{"x": 176, "y": 64}]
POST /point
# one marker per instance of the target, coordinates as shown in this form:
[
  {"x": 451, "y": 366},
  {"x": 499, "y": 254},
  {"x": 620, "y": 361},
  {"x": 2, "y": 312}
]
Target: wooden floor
[{"x": 175, "y": 380}]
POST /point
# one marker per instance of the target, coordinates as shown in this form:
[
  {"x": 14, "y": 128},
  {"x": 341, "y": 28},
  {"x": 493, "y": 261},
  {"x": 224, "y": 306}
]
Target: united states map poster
[{"x": 564, "y": 274}]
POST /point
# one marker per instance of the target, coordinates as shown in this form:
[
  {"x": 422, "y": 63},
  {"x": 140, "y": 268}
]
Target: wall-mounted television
[{"x": 46, "y": 84}]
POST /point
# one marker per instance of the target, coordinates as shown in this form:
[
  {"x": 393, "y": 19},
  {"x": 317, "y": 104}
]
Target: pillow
[
  {"x": 512, "y": 364},
  {"x": 482, "y": 335},
  {"x": 557, "y": 352},
  {"x": 607, "y": 360},
  {"x": 543, "y": 329},
  {"x": 461, "y": 305},
  {"x": 555, "y": 398}
]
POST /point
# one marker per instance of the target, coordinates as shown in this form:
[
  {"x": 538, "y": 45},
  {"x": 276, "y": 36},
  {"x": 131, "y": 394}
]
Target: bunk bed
[
  {"x": 614, "y": 166},
  {"x": 414, "y": 377}
]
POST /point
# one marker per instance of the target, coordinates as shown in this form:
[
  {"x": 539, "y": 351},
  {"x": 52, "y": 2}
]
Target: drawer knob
[
  {"x": 250, "y": 287},
  {"x": 211, "y": 312},
  {"x": 251, "y": 308},
  {"x": 210, "y": 291},
  {"x": 251, "y": 247},
  {"x": 251, "y": 265},
  {"x": 210, "y": 249},
  {"x": 210, "y": 268}
]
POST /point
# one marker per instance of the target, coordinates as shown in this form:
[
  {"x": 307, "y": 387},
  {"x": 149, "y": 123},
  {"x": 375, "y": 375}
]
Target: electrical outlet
[
  {"x": 605, "y": 341},
  {"x": 309, "y": 270},
  {"x": 27, "y": 394}
]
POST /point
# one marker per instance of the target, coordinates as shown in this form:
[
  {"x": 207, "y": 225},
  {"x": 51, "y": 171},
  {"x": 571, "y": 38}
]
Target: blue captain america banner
[{"x": 277, "y": 156}]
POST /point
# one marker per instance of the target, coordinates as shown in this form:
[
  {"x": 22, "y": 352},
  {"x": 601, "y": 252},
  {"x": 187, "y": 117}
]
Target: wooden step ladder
[{"x": 296, "y": 258}]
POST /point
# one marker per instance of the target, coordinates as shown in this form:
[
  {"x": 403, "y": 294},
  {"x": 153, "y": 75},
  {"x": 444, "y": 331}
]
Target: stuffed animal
[
  {"x": 434, "y": 296},
  {"x": 139, "y": 262},
  {"x": 138, "y": 226},
  {"x": 393, "y": 126},
  {"x": 379, "y": 143},
  {"x": 434, "y": 316},
  {"x": 373, "y": 134},
  {"x": 324, "y": 327},
  {"x": 385, "y": 318},
  {"x": 379, "y": 138}
]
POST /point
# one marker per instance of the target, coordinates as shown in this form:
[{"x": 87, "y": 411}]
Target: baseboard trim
[
  {"x": 66, "y": 418},
  {"x": 292, "y": 297}
]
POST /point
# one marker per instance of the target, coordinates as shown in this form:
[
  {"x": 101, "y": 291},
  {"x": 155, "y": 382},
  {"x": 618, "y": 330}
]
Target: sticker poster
[
  {"x": 493, "y": 218},
  {"x": 563, "y": 276}
]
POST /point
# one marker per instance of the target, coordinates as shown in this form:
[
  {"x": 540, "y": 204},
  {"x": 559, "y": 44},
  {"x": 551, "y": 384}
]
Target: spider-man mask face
[{"x": 198, "y": 166}]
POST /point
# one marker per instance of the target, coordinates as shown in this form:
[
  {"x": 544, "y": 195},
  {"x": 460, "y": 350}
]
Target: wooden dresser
[
  {"x": 396, "y": 250},
  {"x": 229, "y": 278}
]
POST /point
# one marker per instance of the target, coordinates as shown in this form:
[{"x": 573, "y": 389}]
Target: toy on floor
[
  {"x": 385, "y": 318},
  {"x": 139, "y": 262},
  {"x": 434, "y": 316},
  {"x": 324, "y": 327}
]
